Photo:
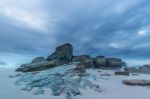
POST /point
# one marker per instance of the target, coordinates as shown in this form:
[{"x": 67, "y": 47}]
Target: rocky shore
[
  {"x": 68, "y": 74},
  {"x": 64, "y": 55}
]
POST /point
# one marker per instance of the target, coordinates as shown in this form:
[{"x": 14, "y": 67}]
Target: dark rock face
[
  {"x": 114, "y": 62},
  {"x": 137, "y": 82},
  {"x": 30, "y": 67},
  {"x": 100, "y": 61},
  {"x": 63, "y": 52},
  {"x": 122, "y": 73},
  {"x": 38, "y": 59}
]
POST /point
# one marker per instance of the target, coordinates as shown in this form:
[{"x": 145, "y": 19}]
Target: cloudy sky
[{"x": 114, "y": 28}]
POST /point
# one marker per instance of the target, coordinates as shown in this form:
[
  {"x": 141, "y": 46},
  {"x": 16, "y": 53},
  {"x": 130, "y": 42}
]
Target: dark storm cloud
[{"x": 112, "y": 27}]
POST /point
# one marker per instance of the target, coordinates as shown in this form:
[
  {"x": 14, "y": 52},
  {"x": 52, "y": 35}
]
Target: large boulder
[
  {"x": 38, "y": 59},
  {"x": 63, "y": 52},
  {"x": 100, "y": 61},
  {"x": 38, "y": 66},
  {"x": 137, "y": 82},
  {"x": 85, "y": 60},
  {"x": 114, "y": 62},
  {"x": 81, "y": 58}
]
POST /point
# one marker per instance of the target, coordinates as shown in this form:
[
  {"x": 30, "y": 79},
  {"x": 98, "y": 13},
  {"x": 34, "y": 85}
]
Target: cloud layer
[
  {"x": 111, "y": 27},
  {"x": 3, "y": 63}
]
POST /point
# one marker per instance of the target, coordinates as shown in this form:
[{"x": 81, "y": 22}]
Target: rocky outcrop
[
  {"x": 66, "y": 80},
  {"x": 63, "y": 52},
  {"x": 114, "y": 62},
  {"x": 141, "y": 69},
  {"x": 122, "y": 73},
  {"x": 137, "y": 82},
  {"x": 38, "y": 59},
  {"x": 64, "y": 55},
  {"x": 100, "y": 61},
  {"x": 81, "y": 58},
  {"x": 37, "y": 66}
]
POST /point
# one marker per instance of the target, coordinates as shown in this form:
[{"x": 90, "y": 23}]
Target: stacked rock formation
[{"x": 64, "y": 55}]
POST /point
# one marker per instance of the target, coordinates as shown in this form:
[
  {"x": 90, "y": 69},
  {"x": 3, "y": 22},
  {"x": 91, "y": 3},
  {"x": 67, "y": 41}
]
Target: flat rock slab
[
  {"x": 137, "y": 82},
  {"x": 105, "y": 74},
  {"x": 122, "y": 73}
]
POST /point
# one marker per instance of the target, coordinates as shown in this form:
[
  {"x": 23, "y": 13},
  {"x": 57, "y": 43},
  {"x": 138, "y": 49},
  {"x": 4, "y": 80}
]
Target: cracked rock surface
[{"x": 66, "y": 79}]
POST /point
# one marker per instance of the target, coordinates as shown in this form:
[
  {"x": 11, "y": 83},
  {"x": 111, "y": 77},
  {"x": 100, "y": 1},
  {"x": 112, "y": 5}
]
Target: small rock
[
  {"x": 105, "y": 74},
  {"x": 135, "y": 74},
  {"x": 122, "y": 73}
]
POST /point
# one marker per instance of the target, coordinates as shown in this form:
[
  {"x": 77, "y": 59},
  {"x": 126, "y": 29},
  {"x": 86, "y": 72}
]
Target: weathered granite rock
[
  {"x": 85, "y": 60},
  {"x": 137, "y": 82},
  {"x": 39, "y": 66},
  {"x": 114, "y": 62},
  {"x": 63, "y": 52},
  {"x": 122, "y": 73},
  {"x": 38, "y": 59},
  {"x": 81, "y": 58},
  {"x": 100, "y": 61}
]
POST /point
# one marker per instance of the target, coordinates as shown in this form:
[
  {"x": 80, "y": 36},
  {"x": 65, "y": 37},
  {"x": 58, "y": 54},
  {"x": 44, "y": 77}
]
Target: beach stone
[
  {"x": 137, "y": 82},
  {"x": 122, "y": 73}
]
